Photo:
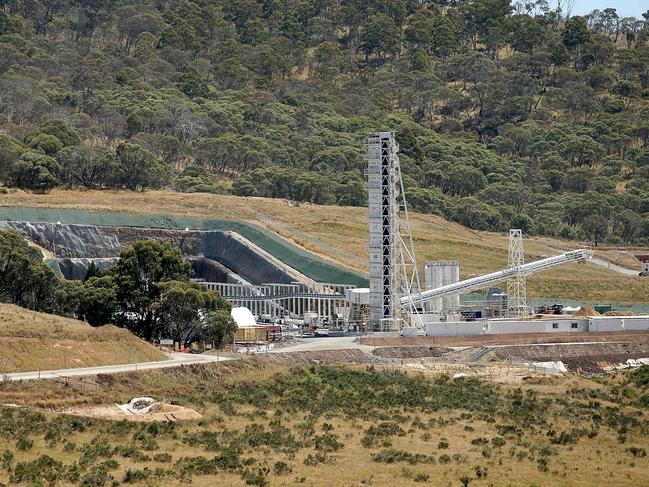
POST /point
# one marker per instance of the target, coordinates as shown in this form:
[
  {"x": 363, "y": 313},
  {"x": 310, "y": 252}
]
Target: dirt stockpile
[
  {"x": 588, "y": 359},
  {"x": 168, "y": 412},
  {"x": 587, "y": 311},
  {"x": 410, "y": 352}
]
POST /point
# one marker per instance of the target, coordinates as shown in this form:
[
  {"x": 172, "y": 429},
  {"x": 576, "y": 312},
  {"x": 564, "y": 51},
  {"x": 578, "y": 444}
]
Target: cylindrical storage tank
[
  {"x": 451, "y": 272},
  {"x": 442, "y": 273}
]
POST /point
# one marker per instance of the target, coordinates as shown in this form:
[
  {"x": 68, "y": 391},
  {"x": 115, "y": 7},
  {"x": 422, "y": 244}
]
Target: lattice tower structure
[
  {"x": 392, "y": 266},
  {"x": 516, "y": 286}
]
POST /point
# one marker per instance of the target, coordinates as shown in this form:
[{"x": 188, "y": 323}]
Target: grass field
[
  {"x": 32, "y": 341},
  {"x": 334, "y": 426},
  {"x": 340, "y": 234}
]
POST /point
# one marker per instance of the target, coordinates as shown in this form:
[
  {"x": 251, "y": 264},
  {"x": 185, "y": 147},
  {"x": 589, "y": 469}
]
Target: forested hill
[{"x": 507, "y": 116}]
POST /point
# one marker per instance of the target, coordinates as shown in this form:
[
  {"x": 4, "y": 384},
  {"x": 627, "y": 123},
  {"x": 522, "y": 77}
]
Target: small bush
[
  {"x": 498, "y": 441},
  {"x": 393, "y": 456},
  {"x": 7, "y": 459},
  {"x": 257, "y": 477},
  {"x": 69, "y": 447},
  {"x": 96, "y": 477},
  {"x": 24, "y": 443},
  {"x": 637, "y": 451},
  {"x": 281, "y": 468},
  {"x": 136, "y": 475},
  {"x": 162, "y": 458}
]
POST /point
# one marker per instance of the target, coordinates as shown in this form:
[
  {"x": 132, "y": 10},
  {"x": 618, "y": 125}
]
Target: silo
[{"x": 442, "y": 273}]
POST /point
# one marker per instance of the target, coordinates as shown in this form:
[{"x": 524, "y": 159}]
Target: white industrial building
[{"x": 546, "y": 325}]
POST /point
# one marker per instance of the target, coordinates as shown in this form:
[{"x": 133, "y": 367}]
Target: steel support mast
[
  {"x": 516, "y": 286},
  {"x": 392, "y": 267}
]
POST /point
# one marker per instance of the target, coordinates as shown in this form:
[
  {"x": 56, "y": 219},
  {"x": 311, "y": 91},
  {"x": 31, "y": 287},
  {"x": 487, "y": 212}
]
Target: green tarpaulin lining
[{"x": 304, "y": 262}]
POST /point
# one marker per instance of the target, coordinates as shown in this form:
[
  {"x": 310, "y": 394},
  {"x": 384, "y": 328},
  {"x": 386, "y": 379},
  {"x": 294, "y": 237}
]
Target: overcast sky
[{"x": 625, "y": 8}]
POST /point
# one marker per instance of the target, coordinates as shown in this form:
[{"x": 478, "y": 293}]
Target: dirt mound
[
  {"x": 620, "y": 313},
  {"x": 587, "y": 311},
  {"x": 410, "y": 352},
  {"x": 168, "y": 412}
]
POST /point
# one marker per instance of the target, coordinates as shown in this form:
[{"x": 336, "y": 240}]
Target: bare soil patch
[
  {"x": 168, "y": 412},
  {"x": 410, "y": 352},
  {"x": 587, "y": 359}
]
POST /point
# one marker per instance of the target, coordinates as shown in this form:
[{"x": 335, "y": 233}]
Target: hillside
[
  {"x": 340, "y": 234},
  {"x": 32, "y": 341},
  {"x": 507, "y": 114},
  {"x": 308, "y": 422}
]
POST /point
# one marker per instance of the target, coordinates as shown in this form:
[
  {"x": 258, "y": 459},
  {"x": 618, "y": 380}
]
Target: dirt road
[{"x": 175, "y": 360}]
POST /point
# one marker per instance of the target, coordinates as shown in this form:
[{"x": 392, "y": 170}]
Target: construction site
[
  {"x": 284, "y": 285},
  {"x": 334, "y": 373}
]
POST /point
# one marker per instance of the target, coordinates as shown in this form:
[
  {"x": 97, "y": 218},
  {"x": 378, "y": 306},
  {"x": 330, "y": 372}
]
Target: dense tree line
[
  {"x": 148, "y": 291},
  {"x": 506, "y": 115}
]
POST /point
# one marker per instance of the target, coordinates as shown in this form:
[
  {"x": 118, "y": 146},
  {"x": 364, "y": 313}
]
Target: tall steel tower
[
  {"x": 393, "y": 269},
  {"x": 516, "y": 287}
]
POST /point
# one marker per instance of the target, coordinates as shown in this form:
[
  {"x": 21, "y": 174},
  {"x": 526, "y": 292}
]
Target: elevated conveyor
[{"x": 488, "y": 280}]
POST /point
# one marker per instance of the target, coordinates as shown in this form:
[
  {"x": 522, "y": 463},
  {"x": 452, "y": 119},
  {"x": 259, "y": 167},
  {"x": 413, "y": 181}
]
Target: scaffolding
[
  {"x": 516, "y": 286},
  {"x": 393, "y": 269}
]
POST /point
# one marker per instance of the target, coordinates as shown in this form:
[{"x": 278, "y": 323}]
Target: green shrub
[
  {"x": 188, "y": 466},
  {"x": 327, "y": 443},
  {"x": 498, "y": 441},
  {"x": 637, "y": 451},
  {"x": 43, "y": 468},
  {"x": 640, "y": 376},
  {"x": 421, "y": 477},
  {"x": 281, "y": 468},
  {"x": 162, "y": 458},
  {"x": 23, "y": 443},
  {"x": 69, "y": 446},
  {"x": 7, "y": 459},
  {"x": 256, "y": 477},
  {"x": 96, "y": 477},
  {"x": 131, "y": 476}
]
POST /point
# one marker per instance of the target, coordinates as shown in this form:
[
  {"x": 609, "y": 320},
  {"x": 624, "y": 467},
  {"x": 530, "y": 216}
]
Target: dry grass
[
  {"x": 340, "y": 234},
  {"x": 590, "y": 461},
  {"x": 32, "y": 341}
]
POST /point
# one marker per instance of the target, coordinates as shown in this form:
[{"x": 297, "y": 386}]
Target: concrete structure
[{"x": 327, "y": 301}]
